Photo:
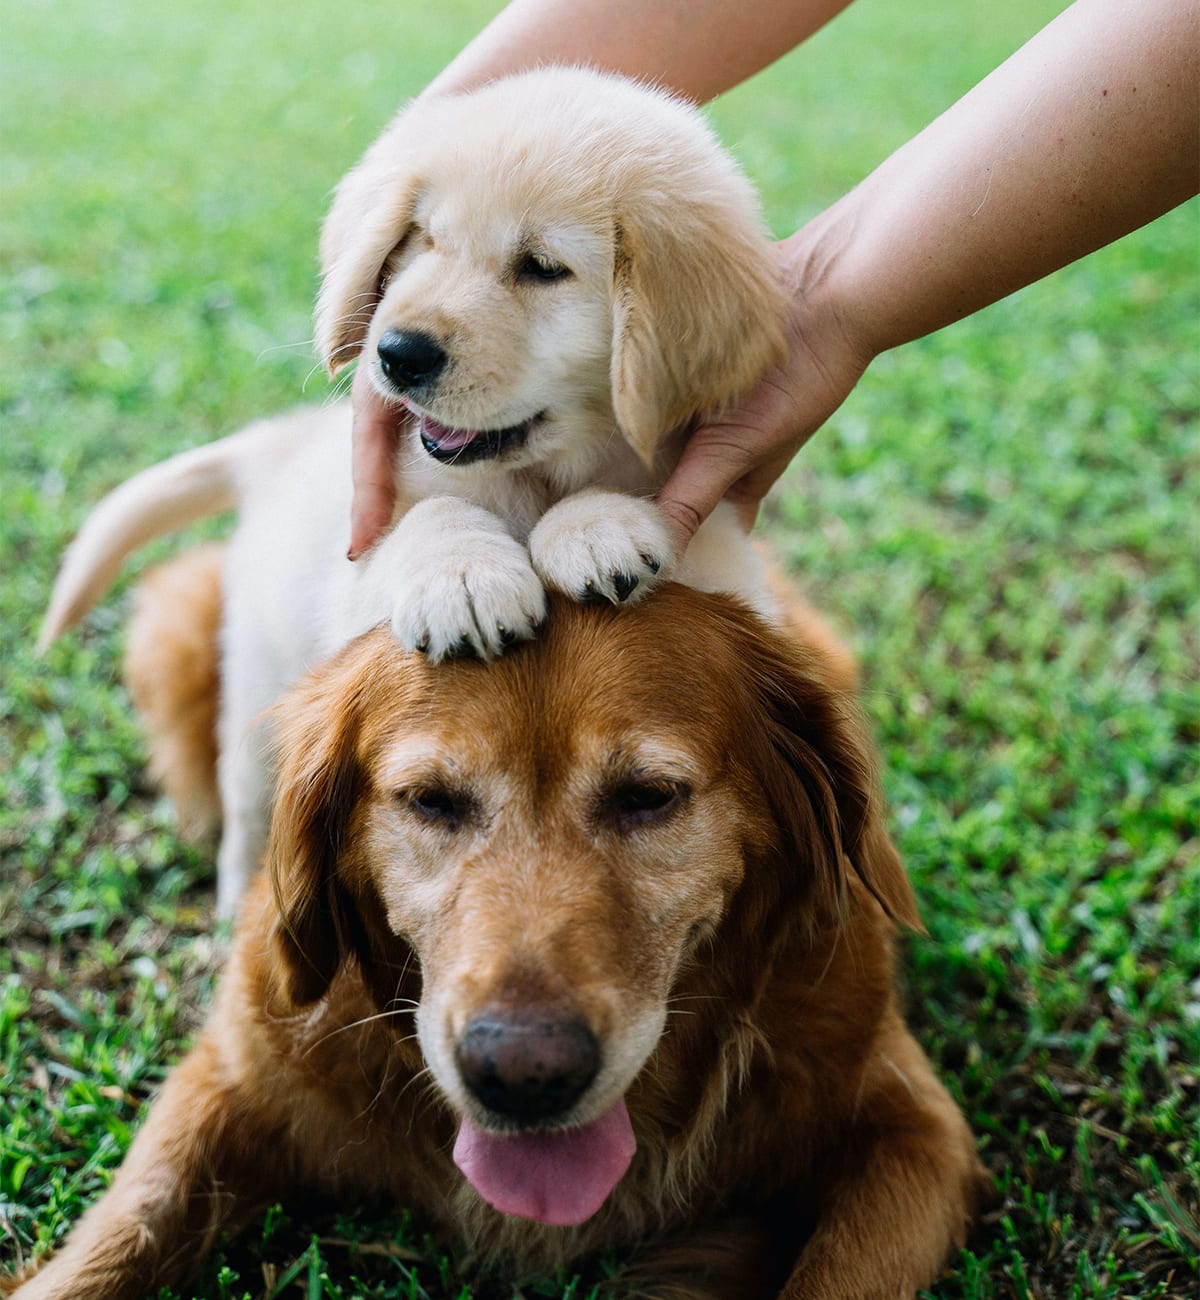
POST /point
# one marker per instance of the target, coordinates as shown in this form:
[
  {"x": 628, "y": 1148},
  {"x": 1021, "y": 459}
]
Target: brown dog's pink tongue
[{"x": 561, "y": 1178}]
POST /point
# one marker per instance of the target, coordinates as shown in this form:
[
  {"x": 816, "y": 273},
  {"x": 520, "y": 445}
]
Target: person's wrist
[{"x": 818, "y": 274}]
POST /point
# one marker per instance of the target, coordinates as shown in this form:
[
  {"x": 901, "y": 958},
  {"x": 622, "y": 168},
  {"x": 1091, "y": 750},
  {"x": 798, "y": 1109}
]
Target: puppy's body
[
  {"x": 552, "y": 275},
  {"x": 682, "y": 854}
]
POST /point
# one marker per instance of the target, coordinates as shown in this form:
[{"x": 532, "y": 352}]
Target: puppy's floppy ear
[
  {"x": 317, "y": 925},
  {"x": 817, "y": 769},
  {"x": 697, "y": 308},
  {"x": 371, "y": 214}
]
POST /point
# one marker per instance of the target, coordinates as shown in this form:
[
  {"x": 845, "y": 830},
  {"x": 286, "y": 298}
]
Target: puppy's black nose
[
  {"x": 410, "y": 359},
  {"x": 530, "y": 1065}
]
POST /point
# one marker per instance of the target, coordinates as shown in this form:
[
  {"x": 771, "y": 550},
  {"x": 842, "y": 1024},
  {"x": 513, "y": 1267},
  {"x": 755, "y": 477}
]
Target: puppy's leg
[
  {"x": 244, "y": 777},
  {"x": 244, "y": 800},
  {"x": 600, "y": 545},
  {"x": 902, "y": 1192},
  {"x": 198, "y": 1165},
  {"x": 174, "y": 673},
  {"x": 453, "y": 580}
]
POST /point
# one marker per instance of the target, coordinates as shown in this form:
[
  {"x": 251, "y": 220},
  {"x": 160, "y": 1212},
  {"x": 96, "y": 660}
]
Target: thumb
[{"x": 374, "y": 439}]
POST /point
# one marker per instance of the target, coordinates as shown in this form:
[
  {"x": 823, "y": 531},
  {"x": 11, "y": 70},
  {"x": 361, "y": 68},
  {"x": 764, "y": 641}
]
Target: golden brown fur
[
  {"x": 792, "y": 1138},
  {"x": 172, "y": 671}
]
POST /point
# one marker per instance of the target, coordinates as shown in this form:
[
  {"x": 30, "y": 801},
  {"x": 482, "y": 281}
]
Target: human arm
[
  {"x": 1086, "y": 133},
  {"x": 696, "y": 47}
]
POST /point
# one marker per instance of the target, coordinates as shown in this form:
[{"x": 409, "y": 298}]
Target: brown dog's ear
[
  {"x": 818, "y": 771},
  {"x": 316, "y": 926},
  {"x": 371, "y": 214},
  {"x": 697, "y": 309}
]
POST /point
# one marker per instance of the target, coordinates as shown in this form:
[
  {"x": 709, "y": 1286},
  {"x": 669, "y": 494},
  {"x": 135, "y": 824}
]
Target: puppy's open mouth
[
  {"x": 560, "y": 1177},
  {"x": 463, "y": 446}
]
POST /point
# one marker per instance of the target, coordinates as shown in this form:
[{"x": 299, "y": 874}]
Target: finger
[
  {"x": 370, "y": 515},
  {"x": 373, "y": 442}
]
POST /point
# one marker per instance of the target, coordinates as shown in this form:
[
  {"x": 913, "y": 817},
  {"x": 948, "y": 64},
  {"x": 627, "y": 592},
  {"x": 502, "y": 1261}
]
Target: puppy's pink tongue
[
  {"x": 447, "y": 439},
  {"x": 561, "y": 1178}
]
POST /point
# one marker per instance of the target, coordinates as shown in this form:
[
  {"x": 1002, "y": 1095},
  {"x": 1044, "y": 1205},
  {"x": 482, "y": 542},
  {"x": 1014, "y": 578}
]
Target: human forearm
[
  {"x": 1086, "y": 133},
  {"x": 698, "y": 48}
]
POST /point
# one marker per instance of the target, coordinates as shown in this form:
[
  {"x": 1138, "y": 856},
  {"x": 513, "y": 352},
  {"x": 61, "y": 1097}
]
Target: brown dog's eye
[
  {"x": 640, "y": 803},
  {"x": 533, "y": 266},
  {"x": 445, "y": 808}
]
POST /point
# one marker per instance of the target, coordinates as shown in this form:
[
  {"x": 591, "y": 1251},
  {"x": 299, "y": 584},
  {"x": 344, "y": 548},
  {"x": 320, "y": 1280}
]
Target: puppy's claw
[
  {"x": 624, "y": 584},
  {"x": 600, "y": 545}
]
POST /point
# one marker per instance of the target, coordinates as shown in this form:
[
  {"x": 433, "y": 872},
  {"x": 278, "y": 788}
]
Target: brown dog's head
[
  {"x": 525, "y": 265},
  {"x": 552, "y": 840}
]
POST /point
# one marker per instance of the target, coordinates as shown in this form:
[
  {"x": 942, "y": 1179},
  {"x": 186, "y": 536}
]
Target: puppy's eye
[
  {"x": 641, "y": 803},
  {"x": 539, "y": 268},
  {"x": 438, "y": 806}
]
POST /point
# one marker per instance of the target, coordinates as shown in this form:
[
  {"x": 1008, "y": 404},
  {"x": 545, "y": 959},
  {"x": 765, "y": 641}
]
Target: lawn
[{"x": 1003, "y": 519}]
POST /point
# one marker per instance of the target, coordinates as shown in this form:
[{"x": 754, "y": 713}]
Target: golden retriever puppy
[
  {"x": 639, "y": 907},
  {"x": 553, "y": 274}
]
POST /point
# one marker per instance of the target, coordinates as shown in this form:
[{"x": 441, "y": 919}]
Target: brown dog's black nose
[
  {"x": 528, "y": 1066},
  {"x": 410, "y": 359}
]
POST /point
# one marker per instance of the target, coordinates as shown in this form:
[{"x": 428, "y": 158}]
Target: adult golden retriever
[
  {"x": 553, "y": 274},
  {"x": 632, "y": 886}
]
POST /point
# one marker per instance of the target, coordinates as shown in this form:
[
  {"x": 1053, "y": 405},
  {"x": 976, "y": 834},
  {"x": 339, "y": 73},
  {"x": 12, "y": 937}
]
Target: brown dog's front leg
[
  {"x": 901, "y": 1194},
  {"x": 196, "y": 1164}
]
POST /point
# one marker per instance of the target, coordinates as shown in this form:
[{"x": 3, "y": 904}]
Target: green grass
[{"x": 1003, "y": 518}]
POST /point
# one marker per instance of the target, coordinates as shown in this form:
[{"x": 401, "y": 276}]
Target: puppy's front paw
[
  {"x": 599, "y": 545},
  {"x": 462, "y": 584}
]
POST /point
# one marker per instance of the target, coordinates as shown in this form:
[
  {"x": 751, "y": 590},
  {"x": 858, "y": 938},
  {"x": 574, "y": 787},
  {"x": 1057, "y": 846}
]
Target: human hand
[{"x": 741, "y": 454}]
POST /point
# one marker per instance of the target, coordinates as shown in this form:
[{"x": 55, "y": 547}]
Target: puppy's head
[
  {"x": 552, "y": 841},
  {"x": 526, "y": 264}
]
